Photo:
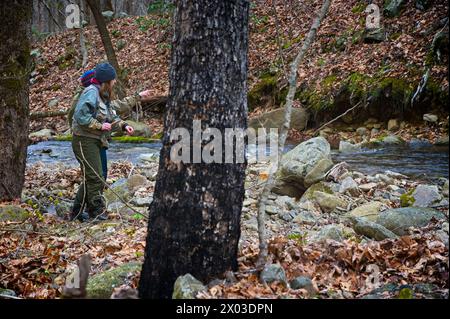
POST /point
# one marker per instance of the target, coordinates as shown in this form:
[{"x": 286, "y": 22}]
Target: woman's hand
[
  {"x": 106, "y": 127},
  {"x": 145, "y": 95},
  {"x": 129, "y": 129}
]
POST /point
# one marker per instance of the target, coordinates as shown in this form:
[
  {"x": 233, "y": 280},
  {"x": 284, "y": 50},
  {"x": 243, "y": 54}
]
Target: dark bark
[
  {"x": 107, "y": 44},
  {"x": 15, "y": 17},
  {"x": 194, "y": 222}
]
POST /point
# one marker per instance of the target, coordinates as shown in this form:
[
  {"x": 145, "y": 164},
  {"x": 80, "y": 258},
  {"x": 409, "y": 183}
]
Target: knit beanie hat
[
  {"x": 87, "y": 77},
  {"x": 105, "y": 72}
]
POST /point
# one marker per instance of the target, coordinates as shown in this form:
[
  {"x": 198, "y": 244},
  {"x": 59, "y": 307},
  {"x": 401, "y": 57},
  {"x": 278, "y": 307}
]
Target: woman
[{"x": 92, "y": 123}]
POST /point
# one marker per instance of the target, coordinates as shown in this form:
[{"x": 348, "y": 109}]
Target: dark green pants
[{"x": 90, "y": 193}]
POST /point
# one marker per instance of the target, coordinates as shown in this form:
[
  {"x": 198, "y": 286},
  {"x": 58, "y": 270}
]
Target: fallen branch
[
  {"x": 263, "y": 249},
  {"x": 40, "y": 115}
]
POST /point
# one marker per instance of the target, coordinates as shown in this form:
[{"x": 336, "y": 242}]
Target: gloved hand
[{"x": 106, "y": 127}]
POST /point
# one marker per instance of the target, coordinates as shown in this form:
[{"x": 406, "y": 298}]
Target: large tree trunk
[
  {"x": 94, "y": 5},
  {"x": 15, "y": 17},
  {"x": 194, "y": 223}
]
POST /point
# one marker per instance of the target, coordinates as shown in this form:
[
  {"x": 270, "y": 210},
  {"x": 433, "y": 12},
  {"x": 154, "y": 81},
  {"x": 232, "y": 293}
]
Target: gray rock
[
  {"x": 392, "y": 140},
  {"x": 136, "y": 181},
  {"x": 303, "y": 282},
  {"x": 120, "y": 187},
  {"x": 7, "y": 292},
  {"x": 442, "y": 141},
  {"x": 430, "y": 118},
  {"x": 374, "y": 132},
  {"x": 299, "y": 162},
  {"x": 426, "y": 195},
  {"x": 123, "y": 14},
  {"x": 44, "y": 133},
  {"x": 370, "y": 229},
  {"x": 305, "y": 217},
  {"x": 368, "y": 186},
  {"x": 285, "y": 202},
  {"x": 328, "y": 202},
  {"x": 275, "y": 119},
  {"x": 374, "y": 35},
  {"x": 319, "y": 172},
  {"x": 53, "y": 103},
  {"x": 151, "y": 157},
  {"x": 423, "y": 4},
  {"x": 273, "y": 273},
  {"x": 187, "y": 287},
  {"x": 392, "y": 8},
  {"x": 319, "y": 187},
  {"x": 369, "y": 211},
  {"x": 333, "y": 232},
  {"x": 393, "y": 125},
  {"x": 349, "y": 185},
  {"x": 346, "y": 147},
  {"x": 101, "y": 286},
  {"x": 272, "y": 210},
  {"x": 443, "y": 236},
  {"x": 399, "y": 220},
  {"x": 108, "y": 15},
  {"x": 361, "y": 131},
  {"x": 445, "y": 188}
]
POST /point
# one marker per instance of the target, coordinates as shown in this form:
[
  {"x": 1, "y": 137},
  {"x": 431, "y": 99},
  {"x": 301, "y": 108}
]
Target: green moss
[
  {"x": 133, "y": 139},
  {"x": 359, "y": 8},
  {"x": 329, "y": 80},
  {"x": 267, "y": 86},
  {"x": 394, "y": 36},
  {"x": 407, "y": 200},
  {"x": 63, "y": 138}
]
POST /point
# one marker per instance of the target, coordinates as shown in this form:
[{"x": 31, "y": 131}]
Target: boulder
[
  {"x": 369, "y": 211},
  {"x": 329, "y": 232},
  {"x": 44, "y": 133},
  {"x": 303, "y": 282},
  {"x": 430, "y": 118},
  {"x": 328, "y": 202},
  {"x": 273, "y": 273},
  {"x": 426, "y": 196},
  {"x": 319, "y": 187},
  {"x": 398, "y": 220},
  {"x": 101, "y": 286},
  {"x": 275, "y": 119},
  {"x": 347, "y": 147},
  {"x": 318, "y": 173},
  {"x": 301, "y": 161},
  {"x": 187, "y": 287},
  {"x": 393, "y": 125},
  {"x": 392, "y": 8},
  {"x": 372, "y": 230},
  {"x": 120, "y": 187},
  {"x": 108, "y": 15}
]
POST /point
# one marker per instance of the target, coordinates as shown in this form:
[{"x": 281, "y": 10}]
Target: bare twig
[{"x": 263, "y": 249}]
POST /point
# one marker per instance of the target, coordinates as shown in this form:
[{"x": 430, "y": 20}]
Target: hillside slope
[{"x": 339, "y": 66}]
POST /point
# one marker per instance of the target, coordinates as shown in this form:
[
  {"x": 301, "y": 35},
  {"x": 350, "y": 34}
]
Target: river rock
[
  {"x": 347, "y": 147},
  {"x": 369, "y": 211},
  {"x": 120, "y": 187},
  {"x": 150, "y": 157},
  {"x": 426, "y": 195},
  {"x": 303, "y": 282},
  {"x": 44, "y": 133},
  {"x": 101, "y": 286},
  {"x": 368, "y": 186},
  {"x": 7, "y": 292},
  {"x": 142, "y": 201},
  {"x": 392, "y": 140},
  {"x": 305, "y": 217},
  {"x": 393, "y": 125},
  {"x": 328, "y": 202},
  {"x": 318, "y": 173},
  {"x": 398, "y": 220},
  {"x": 372, "y": 230},
  {"x": 299, "y": 162},
  {"x": 442, "y": 141},
  {"x": 136, "y": 181},
  {"x": 332, "y": 232},
  {"x": 285, "y": 202},
  {"x": 272, "y": 210},
  {"x": 275, "y": 119},
  {"x": 361, "y": 131},
  {"x": 445, "y": 188},
  {"x": 187, "y": 287},
  {"x": 53, "y": 103},
  {"x": 349, "y": 185},
  {"x": 431, "y": 118},
  {"x": 273, "y": 273}
]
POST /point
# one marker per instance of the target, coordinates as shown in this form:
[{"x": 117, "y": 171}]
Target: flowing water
[{"x": 418, "y": 159}]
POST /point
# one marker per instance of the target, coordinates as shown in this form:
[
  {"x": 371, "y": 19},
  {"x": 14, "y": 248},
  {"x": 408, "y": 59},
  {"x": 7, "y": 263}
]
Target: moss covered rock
[
  {"x": 13, "y": 213},
  {"x": 187, "y": 287},
  {"x": 102, "y": 285}
]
